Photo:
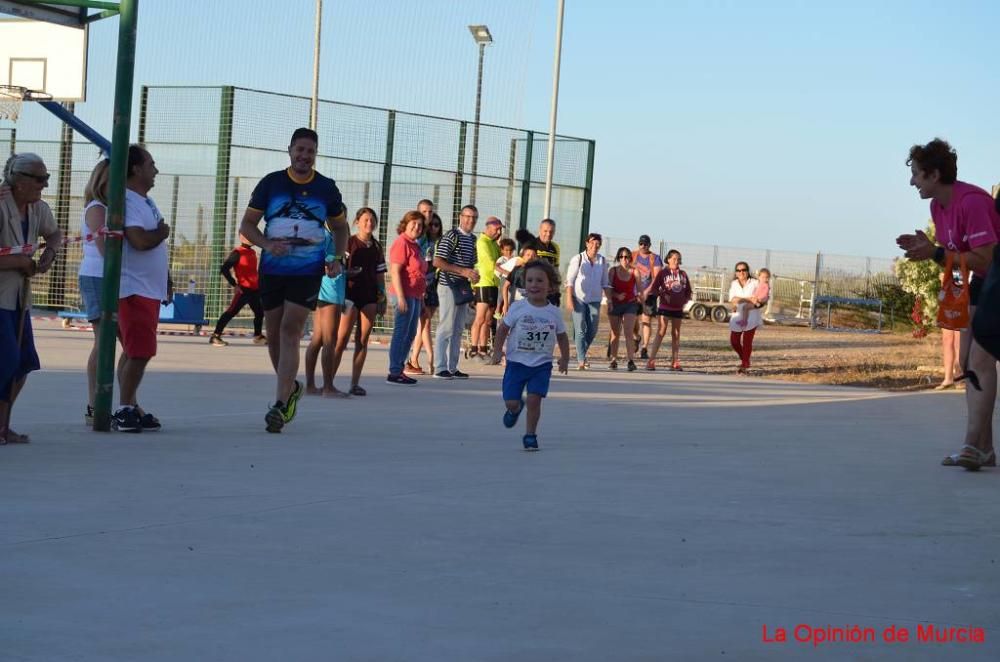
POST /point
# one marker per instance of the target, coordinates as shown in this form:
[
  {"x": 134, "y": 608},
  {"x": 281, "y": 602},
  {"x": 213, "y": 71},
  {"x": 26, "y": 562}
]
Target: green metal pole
[
  {"x": 220, "y": 242},
  {"x": 459, "y": 170},
  {"x": 588, "y": 193},
  {"x": 526, "y": 181},
  {"x": 390, "y": 146},
  {"x": 116, "y": 215}
]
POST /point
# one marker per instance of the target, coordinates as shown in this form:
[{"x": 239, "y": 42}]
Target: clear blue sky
[{"x": 765, "y": 124}]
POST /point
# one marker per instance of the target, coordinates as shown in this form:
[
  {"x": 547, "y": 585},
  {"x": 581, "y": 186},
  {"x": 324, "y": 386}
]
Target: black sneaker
[
  {"x": 217, "y": 341},
  {"x": 88, "y": 418},
  {"x": 631, "y": 366},
  {"x": 275, "y": 418},
  {"x": 644, "y": 354},
  {"x": 126, "y": 419},
  {"x": 401, "y": 380},
  {"x": 149, "y": 422},
  {"x": 444, "y": 374},
  {"x": 458, "y": 374}
]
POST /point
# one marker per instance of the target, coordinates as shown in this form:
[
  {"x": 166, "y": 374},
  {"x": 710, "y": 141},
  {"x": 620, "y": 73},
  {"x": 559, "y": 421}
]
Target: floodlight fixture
[{"x": 481, "y": 34}]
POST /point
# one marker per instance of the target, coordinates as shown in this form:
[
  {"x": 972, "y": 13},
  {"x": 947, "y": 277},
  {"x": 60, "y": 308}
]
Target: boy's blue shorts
[{"x": 517, "y": 376}]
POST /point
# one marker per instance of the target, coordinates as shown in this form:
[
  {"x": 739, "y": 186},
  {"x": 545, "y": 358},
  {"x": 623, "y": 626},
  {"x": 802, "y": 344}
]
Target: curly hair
[{"x": 935, "y": 155}]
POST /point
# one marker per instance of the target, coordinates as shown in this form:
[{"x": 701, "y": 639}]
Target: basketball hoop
[{"x": 13, "y": 96}]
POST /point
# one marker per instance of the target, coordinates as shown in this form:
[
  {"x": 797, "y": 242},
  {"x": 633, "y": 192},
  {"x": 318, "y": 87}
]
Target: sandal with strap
[
  {"x": 952, "y": 460},
  {"x": 11, "y": 437},
  {"x": 357, "y": 390},
  {"x": 973, "y": 459}
]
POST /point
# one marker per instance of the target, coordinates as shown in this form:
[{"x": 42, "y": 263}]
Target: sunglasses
[
  {"x": 746, "y": 271},
  {"x": 41, "y": 179}
]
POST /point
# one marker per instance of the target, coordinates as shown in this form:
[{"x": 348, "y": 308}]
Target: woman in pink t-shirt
[{"x": 407, "y": 271}]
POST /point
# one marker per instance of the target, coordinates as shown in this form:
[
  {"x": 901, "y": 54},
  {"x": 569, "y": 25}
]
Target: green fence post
[
  {"x": 13, "y": 142},
  {"x": 174, "y": 230},
  {"x": 588, "y": 194},
  {"x": 214, "y": 302},
  {"x": 390, "y": 140},
  {"x": 128, "y": 11},
  {"x": 459, "y": 171},
  {"x": 511, "y": 182},
  {"x": 526, "y": 181},
  {"x": 57, "y": 281}
]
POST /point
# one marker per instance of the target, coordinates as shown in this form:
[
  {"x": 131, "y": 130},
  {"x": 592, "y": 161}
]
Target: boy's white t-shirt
[
  {"x": 504, "y": 265},
  {"x": 533, "y": 331}
]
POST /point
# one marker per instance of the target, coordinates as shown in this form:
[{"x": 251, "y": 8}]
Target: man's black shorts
[
  {"x": 488, "y": 295},
  {"x": 276, "y": 289},
  {"x": 649, "y": 306}
]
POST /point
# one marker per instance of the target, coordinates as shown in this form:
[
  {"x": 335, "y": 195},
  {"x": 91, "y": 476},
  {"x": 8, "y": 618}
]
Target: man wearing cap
[
  {"x": 647, "y": 265},
  {"x": 548, "y": 250},
  {"x": 487, "y": 289}
]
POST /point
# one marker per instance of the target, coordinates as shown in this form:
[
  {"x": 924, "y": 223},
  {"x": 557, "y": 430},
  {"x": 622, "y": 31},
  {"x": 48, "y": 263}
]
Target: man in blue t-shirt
[{"x": 298, "y": 205}]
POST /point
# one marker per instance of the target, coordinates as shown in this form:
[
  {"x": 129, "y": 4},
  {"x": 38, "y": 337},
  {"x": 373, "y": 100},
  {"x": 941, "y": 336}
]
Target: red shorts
[{"x": 137, "y": 319}]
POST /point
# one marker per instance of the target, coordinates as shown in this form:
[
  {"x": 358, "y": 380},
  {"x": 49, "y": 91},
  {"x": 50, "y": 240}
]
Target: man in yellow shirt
[{"x": 487, "y": 289}]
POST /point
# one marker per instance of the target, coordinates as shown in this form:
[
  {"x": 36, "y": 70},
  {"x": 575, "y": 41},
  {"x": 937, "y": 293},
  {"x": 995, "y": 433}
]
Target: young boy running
[{"x": 534, "y": 326}]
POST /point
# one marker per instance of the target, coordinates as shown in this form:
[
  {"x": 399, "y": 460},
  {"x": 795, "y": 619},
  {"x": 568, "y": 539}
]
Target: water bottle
[{"x": 191, "y": 284}]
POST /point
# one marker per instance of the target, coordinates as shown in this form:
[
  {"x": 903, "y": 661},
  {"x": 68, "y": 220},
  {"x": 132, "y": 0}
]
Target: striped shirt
[{"x": 457, "y": 248}]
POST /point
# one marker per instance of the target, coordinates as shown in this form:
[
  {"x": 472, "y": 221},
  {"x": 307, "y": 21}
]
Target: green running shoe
[{"x": 293, "y": 401}]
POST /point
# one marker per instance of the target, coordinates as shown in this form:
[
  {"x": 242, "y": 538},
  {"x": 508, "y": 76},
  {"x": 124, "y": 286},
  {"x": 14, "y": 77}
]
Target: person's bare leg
[
  {"x": 92, "y": 368},
  {"x": 6, "y": 409},
  {"x": 131, "y": 376},
  {"x": 980, "y": 403},
  {"x": 289, "y": 335},
  {"x": 312, "y": 352},
  {"x": 661, "y": 331},
  {"x": 272, "y": 323},
  {"x": 366, "y": 320},
  {"x": 948, "y": 355},
  {"x": 628, "y": 326},
  {"x": 533, "y": 405},
  {"x": 428, "y": 342},
  {"x": 615, "y": 322},
  {"x": 477, "y": 335},
  {"x": 675, "y": 341},
  {"x": 329, "y": 358},
  {"x": 646, "y": 330}
]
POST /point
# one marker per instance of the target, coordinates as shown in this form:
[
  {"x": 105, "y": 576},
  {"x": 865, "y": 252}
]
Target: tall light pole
[
  {"x": 550, "y": 161},
  {"x": 481, "y": 34},
  {"x": 314, "y": 106}
]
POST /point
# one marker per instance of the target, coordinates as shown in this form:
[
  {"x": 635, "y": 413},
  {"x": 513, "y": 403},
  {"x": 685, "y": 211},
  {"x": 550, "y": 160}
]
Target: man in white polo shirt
[
  {"x": 144, "y": 284},
  {"x": 586, "y": 284}
]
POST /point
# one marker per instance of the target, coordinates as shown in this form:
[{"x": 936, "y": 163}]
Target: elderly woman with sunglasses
[
  {"x": 746, "y": 316},
  {"x": 23, "y": 219}
]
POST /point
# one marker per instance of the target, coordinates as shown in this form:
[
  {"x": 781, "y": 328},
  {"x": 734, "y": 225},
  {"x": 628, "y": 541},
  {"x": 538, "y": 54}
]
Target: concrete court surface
[{"x": 667, "y": 517}]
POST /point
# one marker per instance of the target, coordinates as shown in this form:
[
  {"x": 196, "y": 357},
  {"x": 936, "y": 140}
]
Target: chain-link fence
[
  {"x": 213, "y": 144},
  {"x": 797, "y": 278}
]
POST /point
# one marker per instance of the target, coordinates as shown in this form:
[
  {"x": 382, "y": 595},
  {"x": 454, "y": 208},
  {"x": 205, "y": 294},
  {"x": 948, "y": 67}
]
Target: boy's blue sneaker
[
  {"x": 530, "y": 442},
  {"x": 510, "y": 417}
]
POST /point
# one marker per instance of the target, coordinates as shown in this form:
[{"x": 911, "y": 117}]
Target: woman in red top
[
  {"x": 408, "y": 271},
  {"x": 673, "y": 288},
  {"x": 623, "y": 307}
]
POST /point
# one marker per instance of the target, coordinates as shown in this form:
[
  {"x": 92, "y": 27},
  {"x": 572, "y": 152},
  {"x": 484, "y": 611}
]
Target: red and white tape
[{"x": 28, "y": 249}]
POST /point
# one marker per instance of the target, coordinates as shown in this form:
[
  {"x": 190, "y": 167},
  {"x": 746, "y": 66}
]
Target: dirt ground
[{"x": 893, "y": 361}]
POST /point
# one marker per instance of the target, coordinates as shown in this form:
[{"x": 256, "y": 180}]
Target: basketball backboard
[
  {"x": 44, "y": 57},
  {"x": 44, "y": 11}
]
